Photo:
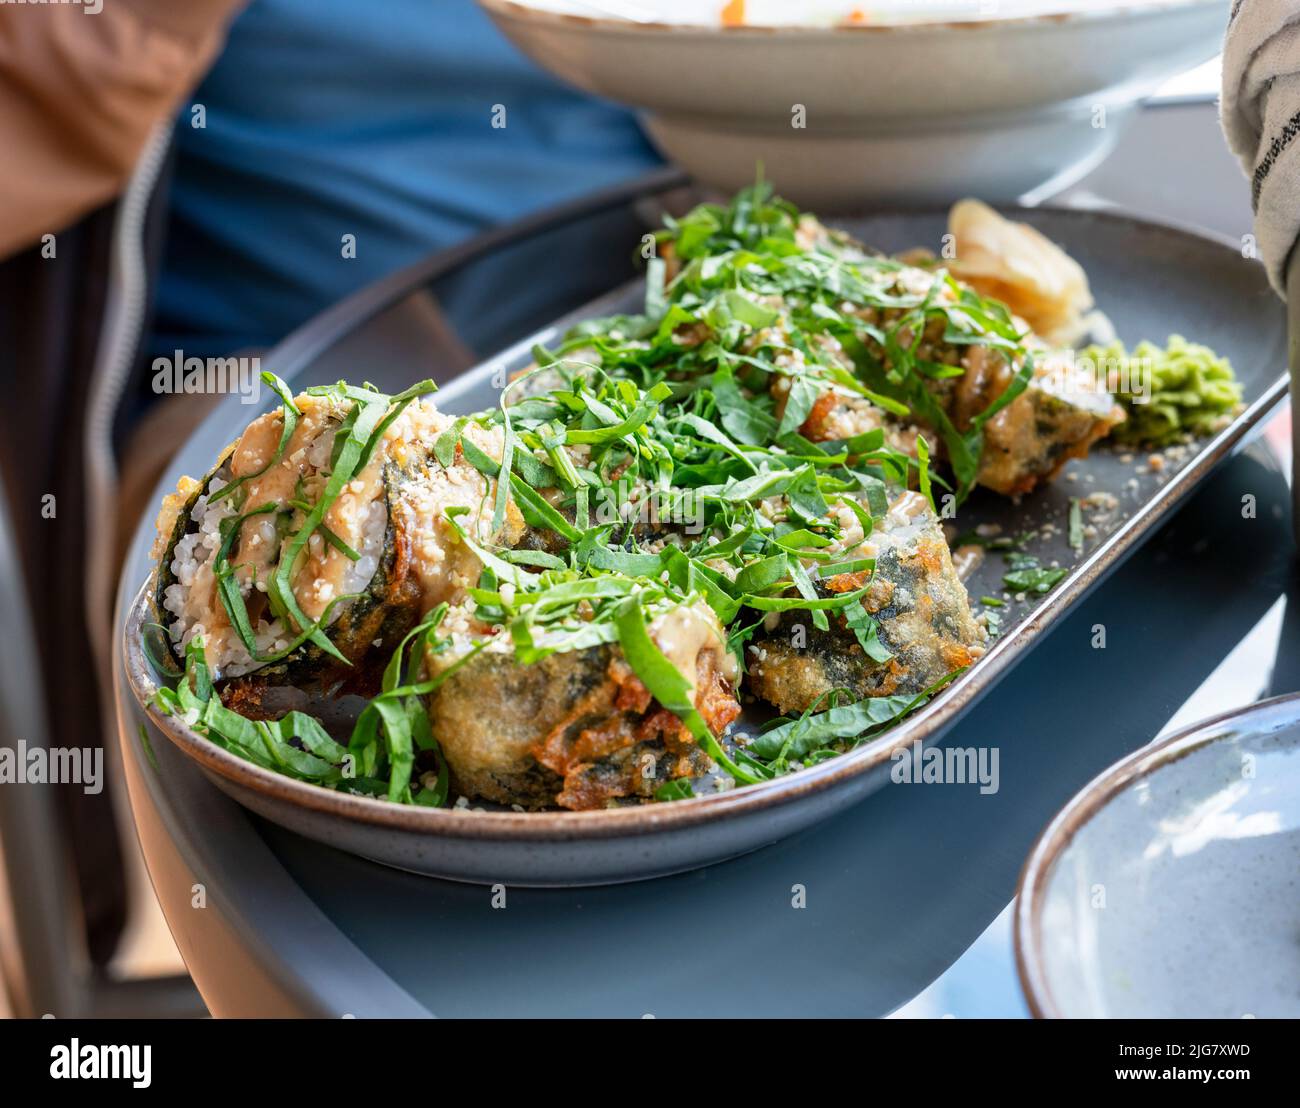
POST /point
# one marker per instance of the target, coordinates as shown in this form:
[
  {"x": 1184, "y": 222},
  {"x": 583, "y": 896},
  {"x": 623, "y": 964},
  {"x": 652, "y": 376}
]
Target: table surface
[{"x": 906, "y": 896}]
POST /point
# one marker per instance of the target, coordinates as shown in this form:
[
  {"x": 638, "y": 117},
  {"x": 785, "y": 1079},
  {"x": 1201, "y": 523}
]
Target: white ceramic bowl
[
  {"x": 1170, "y": 886},
  {"x": 907, "y": 112}
]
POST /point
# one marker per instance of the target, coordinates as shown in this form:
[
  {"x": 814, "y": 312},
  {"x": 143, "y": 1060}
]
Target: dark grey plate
[{"x": 1151, "y": 280}]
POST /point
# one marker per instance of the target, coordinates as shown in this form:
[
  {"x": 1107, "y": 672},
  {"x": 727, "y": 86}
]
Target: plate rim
[
  {"x": 1044, "y": 22},
  {"x": 928, "y": 723},
  {"x": 1052, "y": 842}
]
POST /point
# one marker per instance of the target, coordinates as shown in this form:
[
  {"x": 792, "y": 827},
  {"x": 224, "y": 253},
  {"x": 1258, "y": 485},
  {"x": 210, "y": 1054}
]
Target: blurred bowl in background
[
  {"x": 910, "y": 111},
  {"x": 1169, "y": 887}
]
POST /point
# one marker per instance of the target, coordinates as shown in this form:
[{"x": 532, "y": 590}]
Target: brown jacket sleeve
[{"x": 81, "y": 88}]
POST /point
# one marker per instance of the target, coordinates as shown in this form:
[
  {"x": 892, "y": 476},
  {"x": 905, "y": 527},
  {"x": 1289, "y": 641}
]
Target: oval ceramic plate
[
  {"x": 1170, "y": 886},
  {"x": 912, "y": 111},
  {"x": 1153, "y": 280}
]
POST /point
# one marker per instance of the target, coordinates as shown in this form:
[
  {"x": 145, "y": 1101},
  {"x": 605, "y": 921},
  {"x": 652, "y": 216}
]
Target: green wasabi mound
[{"x": 1181, "y": 392}]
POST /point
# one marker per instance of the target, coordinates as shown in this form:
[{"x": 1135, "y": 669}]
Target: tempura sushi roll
[
  {"x": 920, "y": 608},
  {"x": 938, "y": 357},
  {"x": 303, "y": 557},
  {"x": 1060, "y": 415},
  {"x": 576, "y": 728}
]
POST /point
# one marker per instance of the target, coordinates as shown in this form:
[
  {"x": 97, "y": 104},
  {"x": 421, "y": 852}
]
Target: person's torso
[{"x": 407, "y": 125}]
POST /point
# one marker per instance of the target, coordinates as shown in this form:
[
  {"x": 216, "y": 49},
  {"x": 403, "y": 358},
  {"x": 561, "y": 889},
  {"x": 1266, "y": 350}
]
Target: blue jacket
[{"x": 330, "y": 118}]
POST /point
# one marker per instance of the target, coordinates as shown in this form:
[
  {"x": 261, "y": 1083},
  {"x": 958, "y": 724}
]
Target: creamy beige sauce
[
  {"x": 909, "y": 506},
  {"x": 443, "y": 564},
  {"x": 906, "y": 509},
  {"x": 320, "y": 578},
  {"x": 685, "y": 632},
  {"x": 966, "y": 560}
]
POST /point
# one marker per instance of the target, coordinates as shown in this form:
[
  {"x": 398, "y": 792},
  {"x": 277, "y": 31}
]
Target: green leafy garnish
[
  {"x": 677, "y": 789},
  {"x": 679, "y": 457}
]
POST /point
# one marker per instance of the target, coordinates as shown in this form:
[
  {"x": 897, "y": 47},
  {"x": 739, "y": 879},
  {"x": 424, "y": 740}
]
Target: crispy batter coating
[
  {"x": 576, "y": 729},
  {"x": 921, "y": 608}
]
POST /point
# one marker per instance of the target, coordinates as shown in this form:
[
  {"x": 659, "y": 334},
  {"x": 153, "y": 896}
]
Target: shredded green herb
[
  {"x": 762, "y": 302},
  {"x": 676, "y": 450},
  {"x": 1027, "y": 575}
]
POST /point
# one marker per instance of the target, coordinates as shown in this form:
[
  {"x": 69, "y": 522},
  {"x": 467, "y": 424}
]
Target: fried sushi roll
[
  {"x": 920, "y": 608},
  {"x": 576, "y": 728},
  {"x": 318, "y": 541},
  {"x": 1060, "y": 415}
]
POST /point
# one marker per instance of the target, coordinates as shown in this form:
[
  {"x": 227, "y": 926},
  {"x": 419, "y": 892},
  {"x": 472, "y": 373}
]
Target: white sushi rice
[{"x": 192, "y": 558}]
